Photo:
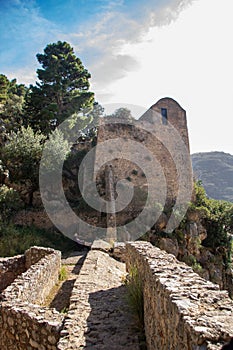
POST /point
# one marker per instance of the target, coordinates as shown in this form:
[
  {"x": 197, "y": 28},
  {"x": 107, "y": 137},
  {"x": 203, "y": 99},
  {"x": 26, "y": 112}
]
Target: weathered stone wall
[
  {"x": 186, "y": 245},
  {"x": 182, "y": 310},
  {"x": 43, "y": 266},
  {"x": 35, "y": 254},
  {"x": 164, "y": 147},
  {"x": 10, "y": 268},
  {"x": 176, "y": 115},
  {"x": 24, "y": 324}
]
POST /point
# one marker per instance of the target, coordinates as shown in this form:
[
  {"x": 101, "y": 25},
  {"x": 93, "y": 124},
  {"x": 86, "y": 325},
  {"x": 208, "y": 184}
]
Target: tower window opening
[{"x": 164, "y": 115}]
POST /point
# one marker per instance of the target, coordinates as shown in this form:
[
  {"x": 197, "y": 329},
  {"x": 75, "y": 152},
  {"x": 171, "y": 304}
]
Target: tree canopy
[
  {"x": 3, "y": 88},
  {"x": 123, "y": 114},
  {"x": 62, "y": 90},
  {"x": 12, "y": 100},
  {"x": 21, "y": 155}
]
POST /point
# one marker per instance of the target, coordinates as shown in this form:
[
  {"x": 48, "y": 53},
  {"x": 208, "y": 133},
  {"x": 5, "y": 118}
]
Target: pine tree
[
  {"x": 63, "y": 89},
  {"x": 12, "y": 100}
]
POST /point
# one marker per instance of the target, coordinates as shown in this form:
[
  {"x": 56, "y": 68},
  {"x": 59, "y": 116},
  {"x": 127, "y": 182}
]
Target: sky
[{"x": 137, "y": 52}]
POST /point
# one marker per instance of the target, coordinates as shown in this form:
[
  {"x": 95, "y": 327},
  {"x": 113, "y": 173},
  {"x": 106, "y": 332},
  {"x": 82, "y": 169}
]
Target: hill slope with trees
[{"x": 215, "y": 170}]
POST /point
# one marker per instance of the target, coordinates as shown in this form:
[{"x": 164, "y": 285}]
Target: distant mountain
[{"x": 215, "y": 169}]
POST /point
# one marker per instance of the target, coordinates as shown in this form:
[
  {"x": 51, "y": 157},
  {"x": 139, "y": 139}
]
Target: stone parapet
[
  {"x": 34, "y": 254},
  {"x": 182, "y": 311},
  {"x": 24, "y": 324},
  {"x": 35, "y": 284},
  {"x": 27, "y": 326},
  {"x": 10, "y": 268}
]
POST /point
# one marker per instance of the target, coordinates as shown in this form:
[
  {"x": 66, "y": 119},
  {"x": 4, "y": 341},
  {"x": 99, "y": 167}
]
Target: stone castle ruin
[
  {"x": 153, "y": 158},
  {"x": 142, "y": 151}
]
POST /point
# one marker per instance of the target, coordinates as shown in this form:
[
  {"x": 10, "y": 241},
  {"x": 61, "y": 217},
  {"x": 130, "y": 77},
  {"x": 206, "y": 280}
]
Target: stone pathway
[
  {"x": 99, "y": 317},
  {"x": 73, "y": 264}
]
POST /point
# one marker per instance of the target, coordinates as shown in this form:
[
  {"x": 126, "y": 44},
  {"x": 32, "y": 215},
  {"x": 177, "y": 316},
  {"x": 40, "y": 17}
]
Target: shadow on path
[
  {"x": 111, "y": 324},
  {"x": 61, "y": 300}
]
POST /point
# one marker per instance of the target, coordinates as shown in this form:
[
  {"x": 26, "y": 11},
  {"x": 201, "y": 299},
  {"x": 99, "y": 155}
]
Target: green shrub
[
  {"x": 9, "y": 202},
  {"x": 135, "y": 294},
  {"x": 64, "y": 310},
  {"x": 21, "y": 155},
  {"x": 217, "y": 217},
  {"x": 180, "y": 236},
  {"x": 55, "y": 152},
  {"x": 192, "y": 261},
  {"x": 218, "y": 223},
  {"x": 15, "y": 240}
]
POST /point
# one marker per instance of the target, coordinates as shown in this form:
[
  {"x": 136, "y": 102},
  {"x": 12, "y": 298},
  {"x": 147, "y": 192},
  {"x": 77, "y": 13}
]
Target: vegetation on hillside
[
  {"x": 204, "y": 237},
  {"x": 21, "y": 155},
  {"x": 28, "y": 117},
  {"x": 216, "y": 216},
  {"x": 15, "y": 240}
]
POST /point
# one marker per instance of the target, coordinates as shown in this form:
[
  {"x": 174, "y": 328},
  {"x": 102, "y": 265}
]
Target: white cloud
[
  {"x": 113, "y": 67},
  {"x": 99, "y": 42},
  {"x": 191, "y": 61},
  {"x": 26, "y": 75},
  {"x": 103, "y": 42}
]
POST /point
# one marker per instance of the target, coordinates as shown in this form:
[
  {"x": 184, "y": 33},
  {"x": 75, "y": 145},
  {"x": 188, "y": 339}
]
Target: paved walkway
[
  {"x": 99, "y": 317},
  {"x": 73, "y": 264}
]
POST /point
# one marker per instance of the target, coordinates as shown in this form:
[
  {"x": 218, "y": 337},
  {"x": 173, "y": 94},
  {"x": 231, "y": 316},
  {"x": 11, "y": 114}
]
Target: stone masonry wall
[
  {"x": 163, "y": 145},
  {"x": 176, "y": 116},
  {"x": 35, "y": 254},
  {"x": 24, "y": 324},
  {"x": 182, "y": 311},
  {"x": 10, "y": 268},
  {"x": 43, "y": 266}
]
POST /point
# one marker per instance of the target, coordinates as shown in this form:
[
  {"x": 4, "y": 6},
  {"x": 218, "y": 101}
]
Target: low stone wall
[
  {"x": 182, "y": 311},
  {"x": 34, "y": 254},
  {"x": 10, "y": 268},
  {"x": 35, "y": 284},
  {"x": 23, "y": 324}
]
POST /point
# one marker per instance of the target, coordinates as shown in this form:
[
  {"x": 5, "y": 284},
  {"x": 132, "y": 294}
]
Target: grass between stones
[
  {"x": 58, "y": 293},
  {"x": 136, "y": 302}
]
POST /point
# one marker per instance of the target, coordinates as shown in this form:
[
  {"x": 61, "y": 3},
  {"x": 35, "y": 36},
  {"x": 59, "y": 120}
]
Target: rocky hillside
[{"x": 215, "y": 169}]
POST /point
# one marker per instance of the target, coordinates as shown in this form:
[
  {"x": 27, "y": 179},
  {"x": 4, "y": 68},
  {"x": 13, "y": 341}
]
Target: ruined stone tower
[
  {"x": 172, "y": 112},
  {"x": 162, "y": 131}
]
